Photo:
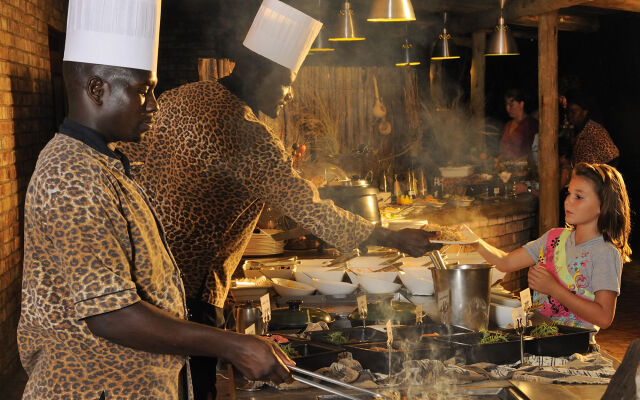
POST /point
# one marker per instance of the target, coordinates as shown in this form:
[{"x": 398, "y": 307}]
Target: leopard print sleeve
[{"x": 265, "y": 169}]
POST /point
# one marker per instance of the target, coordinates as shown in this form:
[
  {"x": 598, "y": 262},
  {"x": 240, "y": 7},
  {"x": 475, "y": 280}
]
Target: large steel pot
[
  {"x": 462, "y": 293},
  {"x": 354, "y": 196}
]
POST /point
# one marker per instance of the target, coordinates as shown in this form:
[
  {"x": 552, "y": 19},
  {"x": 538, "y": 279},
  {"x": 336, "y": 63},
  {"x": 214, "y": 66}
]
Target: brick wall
[{"x": 26, "y": 123}]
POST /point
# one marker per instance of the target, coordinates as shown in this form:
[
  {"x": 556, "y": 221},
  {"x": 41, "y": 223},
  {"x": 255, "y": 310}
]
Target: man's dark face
[
  {"x": 576, "y": 114},
  {"x": 129, "y": 106},
  {"x": 275, "y": 91}
]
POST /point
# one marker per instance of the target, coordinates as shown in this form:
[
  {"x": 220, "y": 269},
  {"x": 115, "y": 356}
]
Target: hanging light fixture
[
  {"x": 320, "y": 44},
  {"x": 442, "y": 50},
  {"x": 408, "y": 55},
  {"x": 501, "y": 42},
  {"x": 391, "y": 11},
  {"x": 346, "y": 30}
]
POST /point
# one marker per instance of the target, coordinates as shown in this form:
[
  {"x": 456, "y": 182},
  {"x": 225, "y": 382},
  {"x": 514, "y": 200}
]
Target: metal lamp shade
[
  {"x": 391, "y": 11},
  {"x": 408, "y": 56},
  {"x": 320, "y": 44},
  {"x": 443, "y": 50},
  {"x": 346, "y": 29},
  {"x": 501, "y": 43}
]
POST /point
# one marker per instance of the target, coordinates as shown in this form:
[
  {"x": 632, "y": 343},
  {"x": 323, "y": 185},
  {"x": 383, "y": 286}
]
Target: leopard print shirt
[
  {"x": 92, "y": 246},
  {"x": 209, "y": 166},
  {"x": 594, "y": 145}
]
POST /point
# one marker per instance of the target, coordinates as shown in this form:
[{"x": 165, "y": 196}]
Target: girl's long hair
[{"x": 614, "y": 221}]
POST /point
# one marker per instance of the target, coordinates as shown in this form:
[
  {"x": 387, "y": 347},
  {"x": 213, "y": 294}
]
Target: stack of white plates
[{"x": 262, "y": 244}]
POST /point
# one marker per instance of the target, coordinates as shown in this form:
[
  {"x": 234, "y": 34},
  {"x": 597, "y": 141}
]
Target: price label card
[
  {"x": 419, "y": 313},
  {"x": 362, "y": 306},
  {"x": 518, "y": 317},
  {"x": 443, "y": 297},
  {"x": 251, "y": 330},
  {"x": 389, "y": 333},
  {"x": 525, "y": 299},
  {"x": 265, "y": 306}
]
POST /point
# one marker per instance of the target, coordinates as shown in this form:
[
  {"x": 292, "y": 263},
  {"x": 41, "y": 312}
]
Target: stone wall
[{"x": 27, "y": 120}]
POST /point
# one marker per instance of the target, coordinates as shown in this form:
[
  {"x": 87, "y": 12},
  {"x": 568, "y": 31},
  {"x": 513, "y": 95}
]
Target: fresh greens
[
  {"x": 489, "y": 337},
  {"x": 337, "y": 338},
  {"x": 545, "y": 329},
  {"x": 289, "y": 350}
]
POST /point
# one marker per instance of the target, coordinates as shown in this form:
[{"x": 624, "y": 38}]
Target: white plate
[{"x": 455, "y": 242}]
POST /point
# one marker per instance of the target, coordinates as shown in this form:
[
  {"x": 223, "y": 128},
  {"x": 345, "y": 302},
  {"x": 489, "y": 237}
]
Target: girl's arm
[
  {"x": 598, "y": 312},
  {"x": 505, "y": 262}
]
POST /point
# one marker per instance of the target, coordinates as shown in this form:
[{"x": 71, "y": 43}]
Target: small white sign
[
  {"x": 362, "y": 306},
  {"x": 251, "y": 330},
  {"x": 389, "y": 333},
  {"x": 518, "y": 317},
  {"x": 265, "y": 306},
  {"x": 525, "y": 299}
]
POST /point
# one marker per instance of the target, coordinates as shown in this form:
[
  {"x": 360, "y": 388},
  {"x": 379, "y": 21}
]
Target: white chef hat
[
  {"x": 282, "y": 34},
  {"x": 121, "y": 33}
]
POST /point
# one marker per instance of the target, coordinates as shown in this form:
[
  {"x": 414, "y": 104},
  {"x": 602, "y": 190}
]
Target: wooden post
[
  {"x": 478, "y": 67},
  {"x": 548, "y": 167}
]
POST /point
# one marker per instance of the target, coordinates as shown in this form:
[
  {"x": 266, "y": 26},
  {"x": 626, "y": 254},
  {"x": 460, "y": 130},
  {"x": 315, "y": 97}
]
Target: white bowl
[
  {"x": 301, "y": 276},
  {"x": 312, "y": 262},
  {"x": 325, "y": 274},
  {"x": 416, "y": 285},
  {"x": 353, "y": 277},
  {"x": 286, "y": 287},
  {"x": 333, "y": 288},
  {"x": 418, "y": 272},
  {"x": 389, "y": 276},
  {"x": 500, "y": 315},
  {"x": 415, "y": 261},
  {"x": 377, "y": 286},
  {"x": 283, "y": 272}
]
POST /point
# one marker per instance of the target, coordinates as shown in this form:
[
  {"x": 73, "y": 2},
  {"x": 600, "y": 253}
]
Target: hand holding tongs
[{"x": 330, "y": 380}]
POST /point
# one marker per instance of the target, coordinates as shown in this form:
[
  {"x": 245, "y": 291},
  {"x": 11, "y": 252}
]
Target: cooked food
[
  {"x": 489, "y": 337},
  {"x": 289, "y": 350},
  {"x": 447, "y": 234},
  {"x": 545, "y": 329},
  {"x": 337, "y": 338}
]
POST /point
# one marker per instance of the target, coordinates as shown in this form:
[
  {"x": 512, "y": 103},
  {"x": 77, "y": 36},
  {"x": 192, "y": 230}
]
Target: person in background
[
  {"x": 103, "y": 312},
  {"x": 210, "y": 165},
  {"x": 591, "y": 141},
  {"x": 575, "y": 272},
  {"x": 518, "y": 134}
]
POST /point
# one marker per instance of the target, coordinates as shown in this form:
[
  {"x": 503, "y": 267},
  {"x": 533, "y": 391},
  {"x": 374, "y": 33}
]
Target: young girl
[{"x": 576, "y": 271}]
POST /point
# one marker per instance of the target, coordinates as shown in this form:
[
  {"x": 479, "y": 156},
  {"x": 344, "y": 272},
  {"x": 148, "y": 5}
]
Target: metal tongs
[
  {"x": 343, "y": 258},
  {"x": 333, "y": 381},
  {"x": 436, "y": 259}
]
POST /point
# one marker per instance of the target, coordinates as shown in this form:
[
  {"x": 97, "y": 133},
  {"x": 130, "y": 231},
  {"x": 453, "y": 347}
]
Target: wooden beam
[
  {"x": 548, "y": 167},
  {"x": 513, "y": 10},
  {"x": 478, "y": 67},
  {"x": 624, "y": 5},
  {"x": 571, "y": 23}
]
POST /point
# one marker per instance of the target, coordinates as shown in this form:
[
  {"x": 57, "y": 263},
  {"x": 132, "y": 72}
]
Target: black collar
[
  {"x": 236, "y": 87},
  {"x": 94, "y": 140}
]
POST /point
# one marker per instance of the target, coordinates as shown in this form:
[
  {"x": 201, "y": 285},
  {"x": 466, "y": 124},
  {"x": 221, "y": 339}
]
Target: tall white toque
[
  {"x": 121, "y": 33},
  {"x": 282, "y": 34}
]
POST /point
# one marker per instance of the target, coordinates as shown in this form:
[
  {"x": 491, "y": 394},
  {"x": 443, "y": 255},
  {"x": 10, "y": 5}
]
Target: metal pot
[
  {"x": 247, "y": 314},
  {"x": 462, "y": 293},
  {"x": 357, "y": 197}
]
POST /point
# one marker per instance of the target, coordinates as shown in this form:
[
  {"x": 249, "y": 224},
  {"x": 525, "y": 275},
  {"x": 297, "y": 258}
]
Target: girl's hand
[{"x": 542, "y": 281}]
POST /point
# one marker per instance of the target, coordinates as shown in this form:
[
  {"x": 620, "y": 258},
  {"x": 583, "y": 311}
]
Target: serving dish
[
  {"x": 287, "y": 287},
  {"x": 456, "y": 172},
  {"x": 333, "y": 287},
  {"x": 353, "y": 335},
  {"x": 375, "y": 356},
  {"x": 468, "y": 348}
]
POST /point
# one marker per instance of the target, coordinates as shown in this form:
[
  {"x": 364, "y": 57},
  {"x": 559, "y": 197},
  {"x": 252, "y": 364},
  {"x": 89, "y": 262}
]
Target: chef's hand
[
  {"x": 258, "y": 358},
  {"x": 414, "y": 242},
  {"x": 542, "y": 281}
]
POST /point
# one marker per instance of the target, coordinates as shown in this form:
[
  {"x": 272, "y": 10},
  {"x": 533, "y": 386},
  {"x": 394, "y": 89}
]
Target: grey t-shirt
[{"x": 600, "y": 262}]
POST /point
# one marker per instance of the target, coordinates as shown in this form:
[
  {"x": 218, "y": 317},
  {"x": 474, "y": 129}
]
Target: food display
[
  {"x": 489, "y": 337},
  {"x": 545, "y": 329},
  {"x": 447, "y": 233}
]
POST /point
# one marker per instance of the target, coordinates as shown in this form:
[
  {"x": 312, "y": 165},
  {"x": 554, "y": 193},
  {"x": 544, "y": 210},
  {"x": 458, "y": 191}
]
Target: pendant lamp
[
  {"x": 501, "y": 42},
  {"x": 321, "y": 44},
  {"x": 391, "y": 11},
  {"x": 408, "y": 55},
  {"x": 346, "y": 30},
  {"x": 442, "y": 49}
]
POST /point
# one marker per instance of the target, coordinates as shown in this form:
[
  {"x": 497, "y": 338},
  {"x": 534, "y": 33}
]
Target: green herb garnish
[
  {"x": 289, "y": 350},
  {"x": 489, "y": 337},
  {"x": 545, "y": 329},
  {"x": 337, "y": 338}
]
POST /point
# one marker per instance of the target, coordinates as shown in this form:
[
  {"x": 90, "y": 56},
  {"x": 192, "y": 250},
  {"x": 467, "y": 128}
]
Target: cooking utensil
[
  {"x": 343, "y": 258},
  {"x": 359, "y": 199},
  {"x": 436, "y": 259},
  {"x": 333, "y": 381},
  {"x": 463, "y": 293},
  {"x": 379, "y": 110},
  {"x": 294, "y": 316},
  {"x": 248, "y": 314}
]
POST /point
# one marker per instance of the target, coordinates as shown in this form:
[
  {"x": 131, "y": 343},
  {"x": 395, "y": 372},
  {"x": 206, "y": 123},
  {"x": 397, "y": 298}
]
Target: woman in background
[{"x": 518, "y": 133}]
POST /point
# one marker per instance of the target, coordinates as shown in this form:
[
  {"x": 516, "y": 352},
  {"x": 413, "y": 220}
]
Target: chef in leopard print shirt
[
  {"x": 210, "y": 164},
  {"x": 103, "y": 313}
]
